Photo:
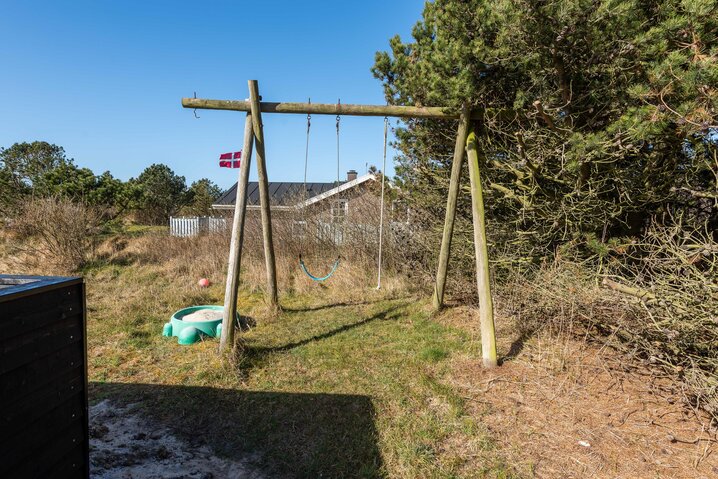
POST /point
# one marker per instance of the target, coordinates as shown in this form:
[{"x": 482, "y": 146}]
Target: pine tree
[{"x": 616, "y": 113}]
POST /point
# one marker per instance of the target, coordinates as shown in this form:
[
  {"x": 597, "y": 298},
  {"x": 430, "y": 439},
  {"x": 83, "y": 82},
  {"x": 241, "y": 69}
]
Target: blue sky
[{"x": 104, "y": 80}]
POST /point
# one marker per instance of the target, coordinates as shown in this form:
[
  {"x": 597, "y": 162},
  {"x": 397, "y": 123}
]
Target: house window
[
  {"x": 340, "y": 210},
  {"x": 299, "y": 229}
]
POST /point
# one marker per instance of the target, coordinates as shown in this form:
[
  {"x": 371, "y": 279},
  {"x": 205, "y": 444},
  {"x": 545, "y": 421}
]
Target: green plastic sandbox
[{"x": 191, "y": 332}]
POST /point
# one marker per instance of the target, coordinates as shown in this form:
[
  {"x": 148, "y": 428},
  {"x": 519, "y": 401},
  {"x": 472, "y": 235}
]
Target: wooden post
[
  {"x": 263, "y": 194},
  {"x": 235, "y": 249},
  {"x": 483, "y": 281},
  {"x": 438, "y": 299}
]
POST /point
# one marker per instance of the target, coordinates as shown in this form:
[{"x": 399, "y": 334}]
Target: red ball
[{"x": 203, "y": 283}]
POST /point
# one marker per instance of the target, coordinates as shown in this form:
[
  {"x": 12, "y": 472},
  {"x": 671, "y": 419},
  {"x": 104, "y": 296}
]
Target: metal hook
[
  {"x": 339, "y": 108},
  {"x": 309, "y": 116},
  {"x": 195, "y": 110}
]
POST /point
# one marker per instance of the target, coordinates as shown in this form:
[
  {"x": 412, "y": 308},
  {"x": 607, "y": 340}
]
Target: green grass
[{"x": 326, "y": 388}]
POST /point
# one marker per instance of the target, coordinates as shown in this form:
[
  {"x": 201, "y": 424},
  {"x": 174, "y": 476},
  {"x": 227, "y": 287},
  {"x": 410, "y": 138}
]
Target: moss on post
[{"x": 483, "y": 280}]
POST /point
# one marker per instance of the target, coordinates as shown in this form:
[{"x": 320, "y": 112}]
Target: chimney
[{"x": 351, "y": 175}]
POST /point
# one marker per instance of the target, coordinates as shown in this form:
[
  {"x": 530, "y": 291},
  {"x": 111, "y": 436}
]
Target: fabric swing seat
[{"x": 319, "y": 278}]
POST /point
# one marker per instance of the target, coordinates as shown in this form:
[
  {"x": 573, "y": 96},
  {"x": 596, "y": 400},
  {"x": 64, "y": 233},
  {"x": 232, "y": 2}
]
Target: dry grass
[
  {"x": 206, "y": 256},
  {"x": 349, "y": 381},
  {"x": 53, "y": 233},
  {"x": 344, "y": 382}
]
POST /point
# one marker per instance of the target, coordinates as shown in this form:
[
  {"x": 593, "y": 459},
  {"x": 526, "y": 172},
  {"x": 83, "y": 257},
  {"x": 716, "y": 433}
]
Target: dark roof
[{"x": 281, "y": 193}]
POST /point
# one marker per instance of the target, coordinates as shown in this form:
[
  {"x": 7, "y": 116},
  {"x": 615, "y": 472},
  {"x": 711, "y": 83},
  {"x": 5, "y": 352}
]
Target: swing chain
[
  {"x": 309, "y": 118},
  {"x": 306, "y": 152},
  {"x": 339, "y": 106}
]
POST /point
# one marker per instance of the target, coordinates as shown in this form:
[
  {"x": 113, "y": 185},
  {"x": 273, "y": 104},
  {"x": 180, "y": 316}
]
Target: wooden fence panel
[{"x": 188, "y": 226}]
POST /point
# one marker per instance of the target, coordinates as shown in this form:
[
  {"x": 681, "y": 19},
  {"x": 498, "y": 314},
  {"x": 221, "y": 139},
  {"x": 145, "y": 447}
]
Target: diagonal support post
[
  {"x": 450, "y": 215},
  {"x": 226, "y": 339},
  {"x": 483, "y": 278},
  {"x": 264, "y": 198}
]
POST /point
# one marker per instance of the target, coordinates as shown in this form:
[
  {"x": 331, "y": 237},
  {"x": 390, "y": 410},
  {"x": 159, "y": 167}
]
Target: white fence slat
[{"x": 185, "y": 227}]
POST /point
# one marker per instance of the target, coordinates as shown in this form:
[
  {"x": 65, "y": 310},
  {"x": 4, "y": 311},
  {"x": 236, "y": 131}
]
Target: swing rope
[
  {"x": 339, "y": 105},
  {"x": 306, "y": 162},
  {"x": 304, "y": 217},
  {"x": 381, "y": 212}
]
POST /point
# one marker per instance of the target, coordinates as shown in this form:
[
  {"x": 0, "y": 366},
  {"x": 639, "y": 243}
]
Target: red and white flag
[{"x": 230, "y": 160}]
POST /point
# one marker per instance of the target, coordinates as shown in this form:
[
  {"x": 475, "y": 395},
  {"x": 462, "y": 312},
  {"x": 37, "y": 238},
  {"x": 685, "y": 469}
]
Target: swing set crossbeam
[{"x": 435, "y": 112}]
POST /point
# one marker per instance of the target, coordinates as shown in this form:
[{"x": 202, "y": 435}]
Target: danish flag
[{"x": 230, "y": 160}]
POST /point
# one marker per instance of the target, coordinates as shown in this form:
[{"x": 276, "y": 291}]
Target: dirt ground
[
  {"x": 124, "y": 444},
  {"x": 567, "y": 409}
]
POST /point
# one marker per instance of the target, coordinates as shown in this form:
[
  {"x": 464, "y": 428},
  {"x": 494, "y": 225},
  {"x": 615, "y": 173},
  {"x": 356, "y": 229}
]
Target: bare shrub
[
  {"x": 658, "y": 304},
  {"x": 562, "y": 296},
  {"x": 56, "y": 230},
  {"x": 672, "y": 276}
]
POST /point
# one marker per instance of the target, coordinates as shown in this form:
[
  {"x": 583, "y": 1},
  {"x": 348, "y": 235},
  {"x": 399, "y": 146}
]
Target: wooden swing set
[{"x": 469, "y": 123}]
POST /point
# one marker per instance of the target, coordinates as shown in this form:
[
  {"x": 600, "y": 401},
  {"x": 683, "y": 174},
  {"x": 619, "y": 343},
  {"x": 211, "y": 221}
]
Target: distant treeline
[{"x": 40, "y": 169}]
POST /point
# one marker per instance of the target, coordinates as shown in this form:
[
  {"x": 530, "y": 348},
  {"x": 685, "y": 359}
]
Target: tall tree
[
  {"x": 21, "y": 166},
  {"x": 8, "y": 193},
  {"x": 160, "y": 193},
  {"x": 201, "y": 196},
  {"x": 616, "y": 105},
  {"x": 82, "y": 185}
]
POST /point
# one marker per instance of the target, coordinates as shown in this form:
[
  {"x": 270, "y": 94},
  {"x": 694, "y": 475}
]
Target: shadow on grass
[
  {"x": 343, "y": 304},
  {"x": 282, "y": 434},
  {"x": 516, "y": 346},
  {"x": 249, "y": 356}
]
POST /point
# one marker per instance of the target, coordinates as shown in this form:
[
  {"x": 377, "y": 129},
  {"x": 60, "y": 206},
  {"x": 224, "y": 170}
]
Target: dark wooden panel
[
  {"x": 41, "y": 373},
  {"x": 15, "y": 413},
  {"x": 42, "y": 433},
  {"x": 31, "y": 346},
  {"x": 25, "y": 314},
  {"x": 44, "y": 459},
  {"x": 72, "y": 465},
  {"x": 43, "y": 378}
]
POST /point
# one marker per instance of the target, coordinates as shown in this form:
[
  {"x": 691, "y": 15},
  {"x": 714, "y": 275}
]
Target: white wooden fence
[{"x": 186, "y": 226}]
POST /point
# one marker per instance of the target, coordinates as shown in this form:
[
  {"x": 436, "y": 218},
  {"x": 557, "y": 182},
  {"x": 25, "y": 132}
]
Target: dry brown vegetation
[
  {"x": 54, "y": 231},
  {"x": 581, "y": 392},
  {"x": 564, "y": 408},
  {"x": 571, "y": 400}
]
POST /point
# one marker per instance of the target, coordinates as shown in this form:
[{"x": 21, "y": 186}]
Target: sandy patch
[
  {"x": 124, "y": 444},
  {"x": 202, "y": 315}
]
